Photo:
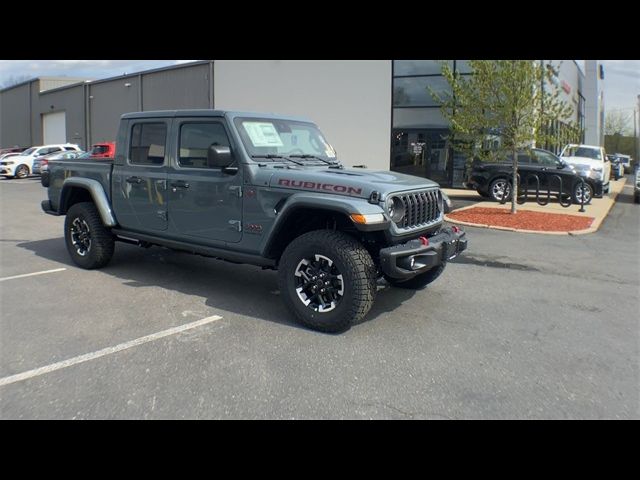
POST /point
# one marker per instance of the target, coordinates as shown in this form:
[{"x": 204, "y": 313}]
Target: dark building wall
[
  {"x": 176, "y": 89},
  {"x": 71, "y": 101},
  {"x": 15, "y": 115},
  {"x": 107, "y": 102}
]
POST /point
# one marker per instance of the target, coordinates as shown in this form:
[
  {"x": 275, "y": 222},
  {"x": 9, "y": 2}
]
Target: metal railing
[{"x": 523, "y": 193}]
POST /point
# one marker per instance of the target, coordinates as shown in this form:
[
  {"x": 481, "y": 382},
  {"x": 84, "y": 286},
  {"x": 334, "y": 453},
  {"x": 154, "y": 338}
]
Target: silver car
[{"x": 41, "y": 164}]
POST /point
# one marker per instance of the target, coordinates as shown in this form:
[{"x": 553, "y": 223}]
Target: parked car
[
  {"x": 617, "y": 169},
  {"x": 21, "y": 166},
  {"x": 40, "y": 164},
  {"x": 493, "y": 180},
  {"x": 103, "y": 150},
  {"x": 590, "y": 161},
  {"x": 219, "y": 184},
  {"x": 9, "y": 154},
  {"x": 625, "y": 161}
]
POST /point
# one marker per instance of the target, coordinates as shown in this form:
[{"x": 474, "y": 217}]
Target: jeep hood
[{"x": 353, "y": 182}]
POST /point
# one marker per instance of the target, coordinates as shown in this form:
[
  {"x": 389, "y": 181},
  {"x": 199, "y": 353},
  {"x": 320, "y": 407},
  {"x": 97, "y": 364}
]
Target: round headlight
[{"x": 395, "y": 209}]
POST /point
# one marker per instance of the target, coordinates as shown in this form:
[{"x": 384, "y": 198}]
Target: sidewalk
[{"x": 597, "y": 209}]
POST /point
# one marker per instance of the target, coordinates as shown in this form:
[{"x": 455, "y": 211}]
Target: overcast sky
[{"x": 622, "y": 77}]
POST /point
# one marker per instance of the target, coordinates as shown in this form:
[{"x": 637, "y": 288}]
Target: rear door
[
  {"x": 205, "y": 202},
  {"x": 139, "y": 185}
]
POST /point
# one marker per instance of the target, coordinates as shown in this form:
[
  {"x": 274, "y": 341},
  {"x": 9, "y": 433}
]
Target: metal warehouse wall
[
  {"x": 349, "y": 100},
  {"x": 107, "y": 102},
  {"x": 69, "y": 100},
  {"x": 177, "y": 89},
  {"x": 15, "y": 118}
]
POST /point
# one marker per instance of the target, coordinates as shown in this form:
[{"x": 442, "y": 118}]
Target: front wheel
[
  {"x": 89, "y": 243},
  {"x": 419, "y": 281},
  {"x": 578, "y": 193},
  {"x": 327, "y": 280},
  {"x": 22, "y": 171}
]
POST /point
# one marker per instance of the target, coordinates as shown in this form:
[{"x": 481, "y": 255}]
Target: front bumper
[{"x": 406, "y": 260}]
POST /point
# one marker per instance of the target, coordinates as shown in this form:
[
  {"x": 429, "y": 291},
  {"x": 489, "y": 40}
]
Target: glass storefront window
[
  {"x": 413, "y": 92},
  {"x": 419, "y": 118},
  {"x": 418, "y": 67}
]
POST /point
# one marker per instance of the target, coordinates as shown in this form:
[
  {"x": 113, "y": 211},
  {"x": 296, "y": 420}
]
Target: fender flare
[
  {"x": 97, "y": 193},
  {"x": 335, "y": 203}
]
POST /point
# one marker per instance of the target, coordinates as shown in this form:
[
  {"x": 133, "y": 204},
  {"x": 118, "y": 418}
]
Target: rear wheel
[
  {"x": 419, "y": 281},
  {"x": 89, "y": 243},
  {"x": 327, "y": 279},
  {"x": 22, "y": 171}
]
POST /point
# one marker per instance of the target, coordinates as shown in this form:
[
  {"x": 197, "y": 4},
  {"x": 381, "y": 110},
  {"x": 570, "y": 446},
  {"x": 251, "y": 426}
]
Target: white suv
[
  {"x": 589, "y": 160},
  {"x": 21, "y": 166}
]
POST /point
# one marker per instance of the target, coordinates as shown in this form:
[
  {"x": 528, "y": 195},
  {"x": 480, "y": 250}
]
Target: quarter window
[
  {"x": 195, "y": 140},
  {"x": 148, "y": 142}
]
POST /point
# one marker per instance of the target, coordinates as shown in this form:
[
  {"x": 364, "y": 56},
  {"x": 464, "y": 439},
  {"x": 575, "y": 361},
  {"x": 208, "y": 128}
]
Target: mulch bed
[{"x": 523, "y": 219}]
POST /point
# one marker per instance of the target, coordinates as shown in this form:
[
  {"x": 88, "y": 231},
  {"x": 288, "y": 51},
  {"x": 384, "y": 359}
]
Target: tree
[
  {"x": 504, "y": 106},
  {"x": 617, "y": 122}
]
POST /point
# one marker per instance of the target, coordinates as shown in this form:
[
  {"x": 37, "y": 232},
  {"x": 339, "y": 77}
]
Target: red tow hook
[
  {"x": 455, "y": 229},
  {"x": 424, "y": 241}
]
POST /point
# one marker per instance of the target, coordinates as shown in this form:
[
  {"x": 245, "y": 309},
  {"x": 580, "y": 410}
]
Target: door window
[
  {"x": 195, "y": 140},
  {"x": 148, "y": 142},
  {"x": 546, "y": 159}
]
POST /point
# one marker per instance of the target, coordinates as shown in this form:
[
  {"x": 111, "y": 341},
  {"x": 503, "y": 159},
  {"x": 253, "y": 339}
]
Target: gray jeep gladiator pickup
[{"x": 259, "y": 189}]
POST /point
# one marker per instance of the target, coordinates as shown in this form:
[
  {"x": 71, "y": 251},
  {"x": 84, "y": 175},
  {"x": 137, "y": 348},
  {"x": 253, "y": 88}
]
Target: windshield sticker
[{"x": 263, "y": 134}]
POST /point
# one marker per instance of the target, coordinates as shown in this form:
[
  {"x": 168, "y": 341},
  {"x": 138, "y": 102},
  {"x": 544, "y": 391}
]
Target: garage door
[{"x": 54, "y": 128}]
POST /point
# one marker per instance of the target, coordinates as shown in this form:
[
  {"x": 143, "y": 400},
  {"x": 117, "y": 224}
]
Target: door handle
[
  {"x": 179, "y": 184},
  {"x": 134, "y": 180}
]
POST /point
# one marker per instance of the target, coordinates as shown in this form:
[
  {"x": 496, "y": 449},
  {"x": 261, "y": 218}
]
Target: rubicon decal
[{"x": 327, "y": 187}]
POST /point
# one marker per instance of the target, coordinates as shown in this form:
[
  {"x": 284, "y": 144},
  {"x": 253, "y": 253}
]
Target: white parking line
[
  {"x": 105, "y": 351},
  {"x": 32, "y": 274}
]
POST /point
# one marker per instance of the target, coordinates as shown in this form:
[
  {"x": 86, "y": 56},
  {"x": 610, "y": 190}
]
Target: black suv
[{"x": 493, "y": 180}]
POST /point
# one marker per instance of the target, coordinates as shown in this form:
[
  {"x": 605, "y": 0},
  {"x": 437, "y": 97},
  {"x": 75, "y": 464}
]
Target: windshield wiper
[
  {"x": 272, "y": 156},
  {"x": 315, "y": 157}
]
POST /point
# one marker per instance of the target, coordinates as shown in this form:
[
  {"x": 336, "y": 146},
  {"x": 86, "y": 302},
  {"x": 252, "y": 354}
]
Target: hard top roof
[{"x": 210, "y": 113}]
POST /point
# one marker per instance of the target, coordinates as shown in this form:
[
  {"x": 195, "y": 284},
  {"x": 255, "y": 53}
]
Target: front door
[
  {"x": 139, "y": 180},
  {"x": 205, "y": 202}
]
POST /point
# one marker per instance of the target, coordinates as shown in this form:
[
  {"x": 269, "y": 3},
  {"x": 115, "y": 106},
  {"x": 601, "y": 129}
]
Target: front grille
[{"x": 421, "y": 208}]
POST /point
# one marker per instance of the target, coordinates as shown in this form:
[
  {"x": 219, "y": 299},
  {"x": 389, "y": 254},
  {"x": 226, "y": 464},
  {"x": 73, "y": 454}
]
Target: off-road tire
[
  {"x": 102, "y": 242},
  {"x": 22, "y": 171},
  {"x": 419, "y": 281},
  {"x": 354, "y": 263}
]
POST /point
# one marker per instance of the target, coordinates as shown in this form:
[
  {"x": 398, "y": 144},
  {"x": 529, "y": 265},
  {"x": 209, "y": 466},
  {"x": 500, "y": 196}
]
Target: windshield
[
  {"x": 586, "y": 152},
  {"x": 28, "y": 152},
  {"x": 272, "y": 138}
]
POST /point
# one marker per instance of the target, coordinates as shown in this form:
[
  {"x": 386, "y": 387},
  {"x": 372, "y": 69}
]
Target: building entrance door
[{"x": 422, "y": 152}]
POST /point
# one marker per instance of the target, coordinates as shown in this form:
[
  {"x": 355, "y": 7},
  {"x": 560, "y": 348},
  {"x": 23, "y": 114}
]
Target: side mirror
[{"x": 219, "y": 156}]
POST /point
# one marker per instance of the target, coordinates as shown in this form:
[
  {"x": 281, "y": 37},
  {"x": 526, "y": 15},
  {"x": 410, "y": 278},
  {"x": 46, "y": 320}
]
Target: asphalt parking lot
[{"x": 522, "y": 326}]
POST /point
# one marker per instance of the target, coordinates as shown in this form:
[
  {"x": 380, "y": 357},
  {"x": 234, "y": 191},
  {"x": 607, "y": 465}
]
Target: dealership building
[{"x": 374, "y": 112}]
